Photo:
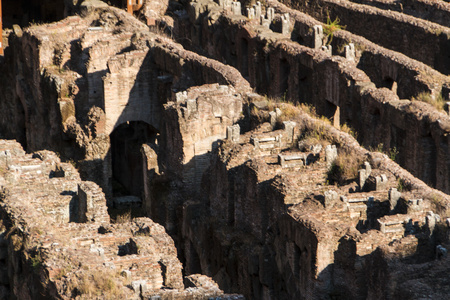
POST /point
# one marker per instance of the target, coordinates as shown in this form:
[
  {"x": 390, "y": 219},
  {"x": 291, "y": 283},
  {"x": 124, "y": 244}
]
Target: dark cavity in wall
[
  {"x": 285, "y": 69},
  {"x": 127, "y": 164}
]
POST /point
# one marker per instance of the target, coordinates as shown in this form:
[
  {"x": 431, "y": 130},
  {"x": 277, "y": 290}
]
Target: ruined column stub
[
  {"x": 328, "y": 49},
  {"x": 349, "y": 51},
  {"x": 363, "y": 174},
  {"x": 289, "y": 127},
  {"x": 233, "y": 133},
  {"x": 330, "y": 154},
  {"x": 285, "y": 24},
  {"x": 250, "y": 13},
  {"x": 270, "y": 14},
  {"x": 273, "y": 119},
  {"x": 394, "y": 196},
  {"x": 236, "y": 8},
  {"x": 257, "y": 8},
  {"x": 264, "y": 22},
  {"x": 381, "y": 182},
  {"x": 318, "y": 37}
]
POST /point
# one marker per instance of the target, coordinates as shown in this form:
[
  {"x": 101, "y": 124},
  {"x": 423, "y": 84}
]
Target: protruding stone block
[
  {"x": 318, "y": 37},
  {"x": 415, "y": 205},
  {"x": 234, "y": 133},
  {"x": 394, "y": 196},
  {"x": 258, "y": 9},
  {"x": 327, "y": 49},
  {"x": 363, "y": 174},
  {"x": 381, "y": 182},
  {"x": 330, "y": 154},
  {"x": 236, "y": 8},
  {"x": 349, "y": 52},
  {"x": 289, "y": 127},
  {"x": 250, "y": 13},
  {"x": 273, "y": 118},
  {"x": 270, "y": 14},
  {"x": 285, "y": 24},
  {"x": 265, "y": 22}
]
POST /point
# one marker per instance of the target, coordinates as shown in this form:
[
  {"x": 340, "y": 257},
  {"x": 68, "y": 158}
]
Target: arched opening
[{"x": 127, "y": 163}]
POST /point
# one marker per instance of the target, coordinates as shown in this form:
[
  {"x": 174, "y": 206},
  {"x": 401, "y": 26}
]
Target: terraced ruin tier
[{"x": 225, "y": 150}]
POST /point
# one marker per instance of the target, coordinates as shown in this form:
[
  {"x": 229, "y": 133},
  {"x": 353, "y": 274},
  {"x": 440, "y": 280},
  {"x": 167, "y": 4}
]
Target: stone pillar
[
  {"x": 289, "y": 127},
  {"x": 257, "y": 8},
  {"x": 394, "y": 196},
  {"x": 328, "y": 49},
  {"x": 381, "y": 182},
  {"x": 264, "y": 22},
  {"x": 270, "y": 14},
  {"x": 233, "y": 133},
  {"x": 285, "y": 24},
  {"x": 363, "y": 174},
  {"x": 349, "y": 51},
  {"x": 318, "y": 37},
  {"x": 250, "y": 13},
  {"x": 236, "y": 8}
]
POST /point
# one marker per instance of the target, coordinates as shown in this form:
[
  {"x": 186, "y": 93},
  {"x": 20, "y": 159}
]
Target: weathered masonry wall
[
  {"x": 418, "y": 39},
  {"x": 434, "y": 11},
  {"x": 269, "y": 237},
  {"x": 57, "y": 239},
  {"x": 383, "y": 66},
  {"x": 276, "y": 66},
  {"x": 92, "y": 76}
]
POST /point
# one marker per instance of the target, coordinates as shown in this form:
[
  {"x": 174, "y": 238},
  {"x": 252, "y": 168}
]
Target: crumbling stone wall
[{"x": 337, "y": 87}]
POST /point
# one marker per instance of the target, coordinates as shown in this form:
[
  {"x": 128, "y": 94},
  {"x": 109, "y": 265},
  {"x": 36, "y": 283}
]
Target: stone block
[
  {"x": 234, "y": 133},
  {"x": 264, "y": 22},
  {"x": 250, "y": 13},
  {"x": 292, "y": 160},
  {"x": 327, "y": 49},
  {"x": 381, "y": 182},
  {"x": 289, "y": 127},
  {"x": 364, "y": 174},
  {"x": 285, "y": 24},
  {"x": 349, "y": 52},
  {"x": 236, "y": 8},
  {"x": 258, "y": 9},
  {"x": 270, "y": 14},
  {"x": 318, "y": 37},
  {"x": 394, "y": 196}
]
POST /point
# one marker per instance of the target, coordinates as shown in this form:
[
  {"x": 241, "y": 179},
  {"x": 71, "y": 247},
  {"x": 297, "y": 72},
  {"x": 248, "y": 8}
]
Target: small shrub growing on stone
[{"x": 344, "y": 169}]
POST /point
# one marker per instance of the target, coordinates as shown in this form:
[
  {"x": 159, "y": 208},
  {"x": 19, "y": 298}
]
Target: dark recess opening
[
  {"x": 244, "y": 58},
  {"x": 126, "y": 157},
  {"x": 285, "y": 69}
]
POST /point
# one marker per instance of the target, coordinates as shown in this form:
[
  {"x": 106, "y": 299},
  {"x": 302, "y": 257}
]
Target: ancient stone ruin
[{"x": 225, "y": 149}]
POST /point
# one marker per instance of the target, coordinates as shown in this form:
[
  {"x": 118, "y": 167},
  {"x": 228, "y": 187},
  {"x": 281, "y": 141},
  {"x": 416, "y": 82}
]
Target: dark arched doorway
[{"x": 127, "y": 163}]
